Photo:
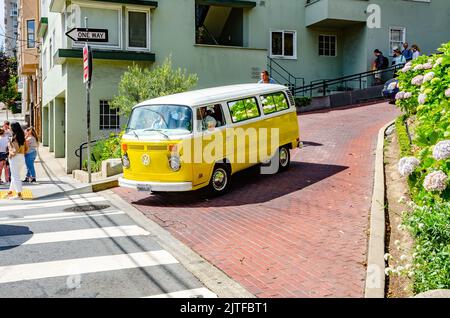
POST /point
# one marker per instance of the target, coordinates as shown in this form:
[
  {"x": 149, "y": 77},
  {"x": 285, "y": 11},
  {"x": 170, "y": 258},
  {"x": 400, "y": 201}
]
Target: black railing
[
  {"x": 79, "y": 152},
  {"x": 361, "y": 79},
  {"x": 283, "y": 76}
]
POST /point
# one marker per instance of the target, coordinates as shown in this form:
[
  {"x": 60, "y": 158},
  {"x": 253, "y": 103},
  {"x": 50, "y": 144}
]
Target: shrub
[
  {"x": 302, "y": 101},
  {"x": 102, "y": 150}
]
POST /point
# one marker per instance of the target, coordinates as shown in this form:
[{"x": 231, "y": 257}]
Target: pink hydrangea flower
[
  {"x": 400, "y": 95},
  {"x": 406, "y": 69},
  {"x": 418, "y": 80},
  {"x": 407, "y": 95},
  {"x": 427, "y": 66},
  {"x": 442, "y": 150},
  {"x": 428, "y": 77},
  {"x": 407, "y": 165},
  {"x": 409, "y": 64},
  {"x": 418, "y": 67},
  {"x": 435, "y": 181},
  {"x": 447, "y": 92},
  {"x": 422, "y": 99}
]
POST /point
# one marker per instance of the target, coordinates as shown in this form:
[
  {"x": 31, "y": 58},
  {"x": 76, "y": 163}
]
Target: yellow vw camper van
[{"x": 200, "y": 138}]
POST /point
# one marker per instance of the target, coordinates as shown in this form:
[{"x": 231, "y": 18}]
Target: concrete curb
[
  {"x": 212, "y": 277},
  {"x": 375, "y": 277}
]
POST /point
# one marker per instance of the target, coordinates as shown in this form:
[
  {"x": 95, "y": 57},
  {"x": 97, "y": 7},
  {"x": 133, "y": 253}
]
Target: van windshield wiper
[
  {"x": 157, "y": 130},
  {"x": 133, "y": 131}
]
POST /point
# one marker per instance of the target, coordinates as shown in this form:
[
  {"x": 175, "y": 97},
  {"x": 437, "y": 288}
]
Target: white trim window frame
[
  {"x": 148, "y": 28},
  {"x": 294, "y": 45},
  {"x": 101, "y": 6},
  {"x": 329, "y": 48},
  {"x": 398, "y": 43}
]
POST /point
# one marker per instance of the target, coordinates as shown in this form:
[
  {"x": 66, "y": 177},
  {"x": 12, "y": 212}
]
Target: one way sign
[{"x": 88, "y": 35}]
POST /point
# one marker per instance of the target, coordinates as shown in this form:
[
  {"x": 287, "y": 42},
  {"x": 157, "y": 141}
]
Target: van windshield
[{"x": 171, "y": 119}]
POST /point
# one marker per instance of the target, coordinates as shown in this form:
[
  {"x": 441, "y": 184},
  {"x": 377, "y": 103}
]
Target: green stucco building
[{"x": 223, "y": 41}]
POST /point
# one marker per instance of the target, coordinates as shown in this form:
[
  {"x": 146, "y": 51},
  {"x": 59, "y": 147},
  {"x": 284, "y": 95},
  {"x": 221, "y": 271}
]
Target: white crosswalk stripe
[
  {"x": 58, "y": 218},
  {"x": 65, "y": 236},
  {"x": 51, "y": 204},
  {"x": 106, "y": 243},
  {"x": 23, "y": 272}
]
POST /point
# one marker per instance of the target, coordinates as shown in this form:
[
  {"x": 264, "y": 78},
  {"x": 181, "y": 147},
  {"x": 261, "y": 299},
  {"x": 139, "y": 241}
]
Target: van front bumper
[{"x": 156, "y": 186}]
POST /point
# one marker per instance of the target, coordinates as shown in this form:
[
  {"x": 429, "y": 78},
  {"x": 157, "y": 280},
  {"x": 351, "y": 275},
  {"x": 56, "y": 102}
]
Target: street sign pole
[{"x": 88, "y": 101}]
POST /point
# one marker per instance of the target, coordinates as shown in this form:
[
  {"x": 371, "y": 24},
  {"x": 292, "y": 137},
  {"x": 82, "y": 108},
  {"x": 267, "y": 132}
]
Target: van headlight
[
  {"x": 125, "y": 161},
  {"x": 175, "y": 163}
]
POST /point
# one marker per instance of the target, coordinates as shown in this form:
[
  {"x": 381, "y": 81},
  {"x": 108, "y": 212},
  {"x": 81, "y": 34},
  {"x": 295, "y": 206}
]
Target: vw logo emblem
[{"x": 145, "y": 159}]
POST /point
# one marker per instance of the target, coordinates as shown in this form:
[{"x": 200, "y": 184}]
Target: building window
[
  {"x": 30, "y": 34},
  {"x": 219, "y": 25},
  {"x": 138, "y": 33},
  {"x": 283, "y": 44},
  {"x": 397, "y": 36},
  {"x": 109, "y": 118},
  {"x": 327, "y": 45}
]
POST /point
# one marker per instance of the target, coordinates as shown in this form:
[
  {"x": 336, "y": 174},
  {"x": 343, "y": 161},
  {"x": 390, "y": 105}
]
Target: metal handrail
[
  {"x": 79, "y": 151},
  {"x": 358, "y": 77},
  {"x": 293, "y": 81}
]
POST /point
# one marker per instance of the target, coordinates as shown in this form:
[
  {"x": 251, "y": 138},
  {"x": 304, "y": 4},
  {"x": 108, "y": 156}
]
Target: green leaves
[{"x": 138, "y": 85}]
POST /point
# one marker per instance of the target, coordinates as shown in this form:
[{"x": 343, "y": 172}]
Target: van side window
[
  {"x": 210, "y": 117},
  {"x": 272, "y": 103},
  {"x": 243, "y": 109}
]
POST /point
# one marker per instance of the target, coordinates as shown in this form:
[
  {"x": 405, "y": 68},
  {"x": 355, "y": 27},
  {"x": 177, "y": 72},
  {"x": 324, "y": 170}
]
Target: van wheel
[
  {"x": 220, "y": 180},
  {"x": 284, "y": 159}
]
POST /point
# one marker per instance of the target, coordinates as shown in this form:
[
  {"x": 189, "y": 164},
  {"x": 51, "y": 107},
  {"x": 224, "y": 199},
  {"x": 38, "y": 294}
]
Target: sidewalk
[{"x": 51, "y": 178}]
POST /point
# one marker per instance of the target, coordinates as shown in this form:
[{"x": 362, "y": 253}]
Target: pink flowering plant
[{"x": 425, "y": 101}]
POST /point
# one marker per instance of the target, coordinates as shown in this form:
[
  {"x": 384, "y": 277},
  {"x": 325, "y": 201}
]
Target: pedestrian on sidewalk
[
  {"x": 17, "y": 148},
  {"x": 407, "y": 53},
  {"x": 416, "y": 51},
  {"x": 381, "y": 62},
  {"x": 4, "y": 141},
  {"x": 266, "y": 79},
  {"x": 7, "y": 128},
  {"x": 32, "y": 141},
  {"x": 398, "y": 59}
]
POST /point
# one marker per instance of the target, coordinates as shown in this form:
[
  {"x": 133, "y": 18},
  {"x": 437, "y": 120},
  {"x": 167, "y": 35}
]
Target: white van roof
[{"x": 215, "y": 94}]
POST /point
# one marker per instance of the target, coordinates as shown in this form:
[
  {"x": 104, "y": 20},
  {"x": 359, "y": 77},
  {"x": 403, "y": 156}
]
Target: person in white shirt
[{"x": 398, "y": 58}]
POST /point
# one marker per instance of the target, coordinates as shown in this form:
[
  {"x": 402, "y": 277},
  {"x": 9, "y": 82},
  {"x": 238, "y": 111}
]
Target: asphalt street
[{"x": 84, "y": 246}]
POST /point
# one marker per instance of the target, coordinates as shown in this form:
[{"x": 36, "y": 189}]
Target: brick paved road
[{"x": 302, "y": 233}]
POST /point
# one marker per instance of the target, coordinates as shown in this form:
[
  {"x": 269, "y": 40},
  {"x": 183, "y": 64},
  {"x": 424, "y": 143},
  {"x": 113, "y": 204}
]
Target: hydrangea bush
[
  {"x": 424, "y": 86},
  {"x": 425, "y": 98}
]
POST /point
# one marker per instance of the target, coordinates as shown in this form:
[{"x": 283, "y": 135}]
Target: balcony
[{"x": 336, "y": 14}]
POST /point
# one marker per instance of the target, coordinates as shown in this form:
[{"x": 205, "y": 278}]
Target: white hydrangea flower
[
  {"x": 438, "y": 62},
  {"x": 406, "y": 69},
  {"x": 407, "y": 165},
  {"x": 428, "y": 77},
  {"x": 442, "y": 150},
  {"x": 407, "y": 95},
  {"x": 387, "y": 256},
  {"x": 418, "y": 67},
  {"x": 422, "y": 99},
  {"x": 400, "y": 95},
  {"x": 435, "y": 181},
  {"x": 418, "y": 80},
  {"x": 427, "y": 66},
  {"x": 387, "y": 271},
  {"x": 421, "y": 226},
  {"x": 447, "y": 92}
]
